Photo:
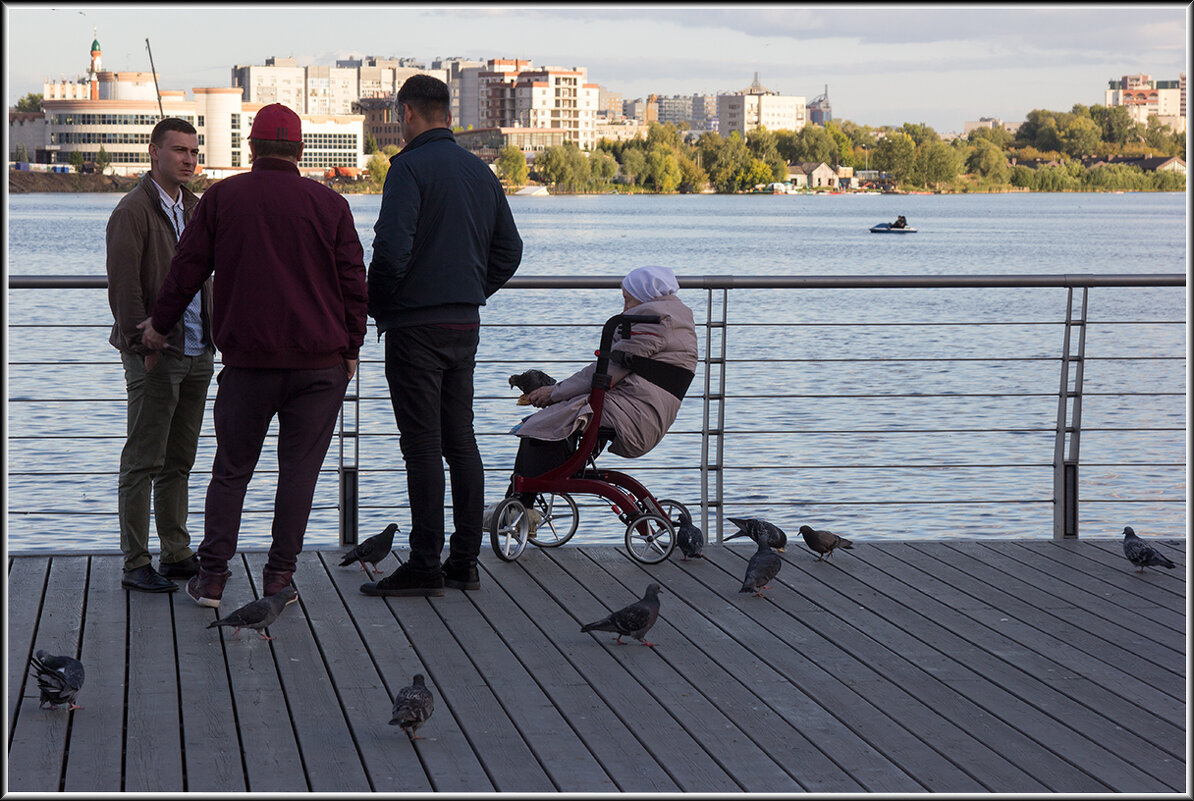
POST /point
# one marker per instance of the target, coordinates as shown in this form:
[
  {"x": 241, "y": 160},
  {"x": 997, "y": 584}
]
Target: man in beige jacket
[{"x": 167, "y": 391}]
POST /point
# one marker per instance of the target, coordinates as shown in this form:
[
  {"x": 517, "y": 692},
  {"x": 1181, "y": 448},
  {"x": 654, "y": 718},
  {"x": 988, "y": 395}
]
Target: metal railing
[{"x": 718, "y": 361}]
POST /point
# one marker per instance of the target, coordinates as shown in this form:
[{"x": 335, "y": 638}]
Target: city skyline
[{"x": 940, "y": 65}]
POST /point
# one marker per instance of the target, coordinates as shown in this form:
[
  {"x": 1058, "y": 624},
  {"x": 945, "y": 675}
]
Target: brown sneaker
[
  {"x": 207, "y": 588},
  {"x": 272, "y": 581}
]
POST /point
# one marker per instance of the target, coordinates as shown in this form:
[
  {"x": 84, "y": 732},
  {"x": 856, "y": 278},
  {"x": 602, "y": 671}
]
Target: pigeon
[
  {"x": 58, "y": 677},
  {"x": 633, "y": 620},
  {"x": 752, "y": 527},
  {"x": 763, "y": 567},
  {"x": 258, "y": 614},
  {"x": 823, "y": 542},
  {"x": 412, "y": 706},
  {"x": 372, "y": 550},
  {"x": 689, "y": 539},
  {"x": 528, "y": 381},
  {"x": 1141, "y": 553}
]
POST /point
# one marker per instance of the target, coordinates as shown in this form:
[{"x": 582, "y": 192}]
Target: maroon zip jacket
[{"x": 289, "y": 286}]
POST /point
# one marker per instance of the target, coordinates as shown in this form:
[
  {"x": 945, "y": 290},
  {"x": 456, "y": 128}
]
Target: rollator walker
[{"x": 650, "y": 524}]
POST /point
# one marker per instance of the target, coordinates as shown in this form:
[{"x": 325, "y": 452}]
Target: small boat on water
[{"x": 886, "y": 228}]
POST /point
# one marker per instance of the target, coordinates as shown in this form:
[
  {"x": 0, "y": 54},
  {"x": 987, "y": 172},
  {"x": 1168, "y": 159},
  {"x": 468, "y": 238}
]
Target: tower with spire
[{"x": 96, "y": 65}]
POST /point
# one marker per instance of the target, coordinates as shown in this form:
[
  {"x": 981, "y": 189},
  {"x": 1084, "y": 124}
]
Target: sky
[{"x": 940, "y": 65}]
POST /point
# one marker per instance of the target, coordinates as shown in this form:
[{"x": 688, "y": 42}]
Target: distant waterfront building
[
  {"x": 704, "y": 112},
  {"x": 676, "y": 110},
  {"x": 620, "y": 130},
  {"x": 125, "y": 108},
  {"x": 991, "y": 122},
  {"x": 819, "y": 110},
  {"x": 513, "y": 93},
  {"x": 462, "y": 87},
  {"x": 320, "y": 89},
  {"x": 609, "y": 104},
  {"x": 488, "y": 143},
  {"x": 644, "y": 111},
  {"x": 757, "y": 107},
  {"x": 28, "y": 133},
  {"x": 1146, "y": 98}
]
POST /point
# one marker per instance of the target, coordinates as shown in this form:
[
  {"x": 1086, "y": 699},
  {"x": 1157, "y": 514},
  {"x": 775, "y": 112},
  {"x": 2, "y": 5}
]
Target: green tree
[
  {"x": 731, "y": 162},
  {"x": 989, "y": 162},
  {"x": 1115, "y": 122},
  {"x": 815, "y": 144},
  {"x": 634, "y": 165},
  {"x": 1023, "y": 177},
  {"x": 512, "y": 166},
  {"x": 920, "y": 133},
  {"x": 937, "y": 163},
  {"x": 102, "y": 160},
  {"x": 692, "y": 177},
  {"x": 663, "y": 169},
  {"x": 1160, "y": 137},
  {"x": 76, "y": 160},
  {"x": 757, "y": 172},
  {"x": 30, "y": 102},
  {"x": 845, "y": 146},
  {"x": 378, "y": 167},
  {"x": 370, "y": 144},
  {"x": 996, "y": 135},
  {"x": 708, "y": 147},
  {"x": 896, "y": 155},
  {"x": 603, "y": 167},
  {"x": 564, "y": 166},
  {"x": 1080, "y": 137},
  {"x": 667, "y": 135}
]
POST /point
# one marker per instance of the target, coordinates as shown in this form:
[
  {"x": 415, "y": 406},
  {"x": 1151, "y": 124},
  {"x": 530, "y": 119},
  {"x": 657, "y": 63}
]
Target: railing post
[
  {"x": 348, "y": 468},
  {"x": 712, "y": 431},
  {"x": 1069, "y": 424}
]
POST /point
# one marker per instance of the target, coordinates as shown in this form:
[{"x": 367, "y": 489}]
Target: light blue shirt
[{"x": 192, "y": 319}]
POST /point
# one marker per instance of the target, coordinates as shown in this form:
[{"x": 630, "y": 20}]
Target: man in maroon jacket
[{"x": 289, "y": 316}]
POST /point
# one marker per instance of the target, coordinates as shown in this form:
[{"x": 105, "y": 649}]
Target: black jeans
[{"x": 430, "y": 373}]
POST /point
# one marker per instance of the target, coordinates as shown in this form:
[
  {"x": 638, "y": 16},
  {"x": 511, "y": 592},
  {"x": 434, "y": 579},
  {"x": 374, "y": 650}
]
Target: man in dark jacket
[
  {"x": 445, "y": 241},
  {"x": 289, "y": 319},
  {"x": 166, "y": 393}
]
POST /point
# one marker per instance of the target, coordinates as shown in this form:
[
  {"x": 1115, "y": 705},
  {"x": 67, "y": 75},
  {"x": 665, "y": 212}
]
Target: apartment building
[
  {"x": 609, "y": 103},
  {"x": 676, "y": 110},
  {"x": 322, "y": 89},
  {"x": 1146, "y": 98},
  {"x": 513, "y": 93},
  {"x": 463, "y": 87}
]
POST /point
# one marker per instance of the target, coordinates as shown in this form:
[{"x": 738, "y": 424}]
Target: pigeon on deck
[
  {"x": 823, "y": 542},
  {"x": 753, "y": 527},
  {"x": 689, "y": 539},
  {"x": 633, "y": 620},
  {"x": 58, "y": 677},
  {"x": 529, "y": 381},
  {"x": 413, "y": 705},
  {"x": 1142, "y": 554},
  {"x": 372, "y": 550},
  {"x": 761, "y": 568},
  {"x": 259, "y": 614}
]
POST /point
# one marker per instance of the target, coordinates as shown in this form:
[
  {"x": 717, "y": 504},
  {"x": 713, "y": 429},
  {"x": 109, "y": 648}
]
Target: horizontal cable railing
[{"x": 715, "y": 444}]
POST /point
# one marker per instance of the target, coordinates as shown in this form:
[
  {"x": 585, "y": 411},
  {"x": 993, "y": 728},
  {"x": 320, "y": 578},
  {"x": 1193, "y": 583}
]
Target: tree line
[{"x": 1046, "y": 153}]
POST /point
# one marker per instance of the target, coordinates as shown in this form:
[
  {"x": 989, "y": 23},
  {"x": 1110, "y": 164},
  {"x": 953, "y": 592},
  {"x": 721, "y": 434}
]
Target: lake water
[{"x": 836, "y": 414}]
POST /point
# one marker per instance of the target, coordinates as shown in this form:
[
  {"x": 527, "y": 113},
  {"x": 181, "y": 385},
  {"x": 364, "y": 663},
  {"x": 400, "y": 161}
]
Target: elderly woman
[{"x": 642, "y": 404}]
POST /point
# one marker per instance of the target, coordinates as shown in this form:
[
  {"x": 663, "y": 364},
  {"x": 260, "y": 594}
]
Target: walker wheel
[
  {"x": 650, "y": 538},
  {"x": 509, "y": 529},
  {"x": 559, "y": 522},
  {"x": 674, "y": 511}
]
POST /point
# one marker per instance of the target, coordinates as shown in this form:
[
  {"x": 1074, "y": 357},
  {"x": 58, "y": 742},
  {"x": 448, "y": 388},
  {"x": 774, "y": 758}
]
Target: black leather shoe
[
  {"x": 461, "y": 576},
  {"x": 180, "y": 570},
  {"x": 146, "y": 579},
  {"x": 405, "y": 581}
]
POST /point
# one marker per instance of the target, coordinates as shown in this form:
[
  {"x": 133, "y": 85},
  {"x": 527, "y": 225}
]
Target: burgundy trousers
[{"x": 307, "y": 404}]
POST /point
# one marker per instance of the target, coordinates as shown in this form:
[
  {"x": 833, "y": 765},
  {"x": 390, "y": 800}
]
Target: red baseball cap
[{"x": 277, "y": 123}]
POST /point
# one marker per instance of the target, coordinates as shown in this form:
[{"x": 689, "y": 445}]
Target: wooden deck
[{"x": 963, "y": 666}]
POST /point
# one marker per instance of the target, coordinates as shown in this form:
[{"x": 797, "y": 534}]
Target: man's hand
[
  {"x": 540, "y": 397},
  {"x": 150, "y": 338},
  {"x": 350, "y": 365}
]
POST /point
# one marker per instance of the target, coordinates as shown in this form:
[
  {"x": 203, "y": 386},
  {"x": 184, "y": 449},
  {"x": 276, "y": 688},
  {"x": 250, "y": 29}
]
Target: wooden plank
[
  {"x": 1095, "y": 641},
  {"x": 603, "y": 733},
  {"x": 40, "y": 748},
  {"x": 928, "y": 727},
  {"x": 96, "y": 760},
  {"x": 1174, "y": 549},
  {"x": 768, "y": 713},
  {"x": 1074, "y": 732},
  {"x": 677, "y": 686},
  {"x": 448, "y": 759},
  {"x": 270, "y": 750},
  {"x": 328, "y": 750},
  {"x": 1154, "y": 585},
  {"x": 564, "y": 757},
  {"x": 153, "y": 744},
  {"x": 610, "y": 672},
  {"x": 461, "y": 690},
  {"x": 1170, "y": 648},
  {"x": 1134, "y": 705},
  {"x": 366, "y": 705},
  {"x": 26, "y": 586}
]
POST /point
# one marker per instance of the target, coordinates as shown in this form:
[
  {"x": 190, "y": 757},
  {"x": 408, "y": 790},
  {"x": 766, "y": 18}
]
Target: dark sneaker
[
  {"x": 272, "y": 581},
  {"x": 460, "y": 576},
  {"x": 406, "y": 581},
  {"x": 146, "y": 579},
  {"x": 180, "y": 570},
  {"x": 207, "y": 588}
]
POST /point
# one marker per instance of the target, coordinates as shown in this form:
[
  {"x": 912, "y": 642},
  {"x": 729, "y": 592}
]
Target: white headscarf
[{"x": 647, "y": 283}]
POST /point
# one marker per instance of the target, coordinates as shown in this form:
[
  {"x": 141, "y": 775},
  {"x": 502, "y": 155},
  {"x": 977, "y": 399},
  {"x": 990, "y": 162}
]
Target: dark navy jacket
[{"x": 445, "y": 238}]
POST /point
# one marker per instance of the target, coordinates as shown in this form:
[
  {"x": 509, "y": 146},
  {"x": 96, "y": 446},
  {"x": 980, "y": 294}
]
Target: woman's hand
[{"x": 540, "y": 397}]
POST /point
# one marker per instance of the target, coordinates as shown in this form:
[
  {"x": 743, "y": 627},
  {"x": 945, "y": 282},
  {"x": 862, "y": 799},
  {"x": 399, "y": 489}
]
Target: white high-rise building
[
  {"x": 320, "y": 89},
  {"x": 1146, "y": 98},
  {"x": 513, "y": 93},
  {"x": 756, "y": 107},
  {"x": 462, "y": 86}
]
